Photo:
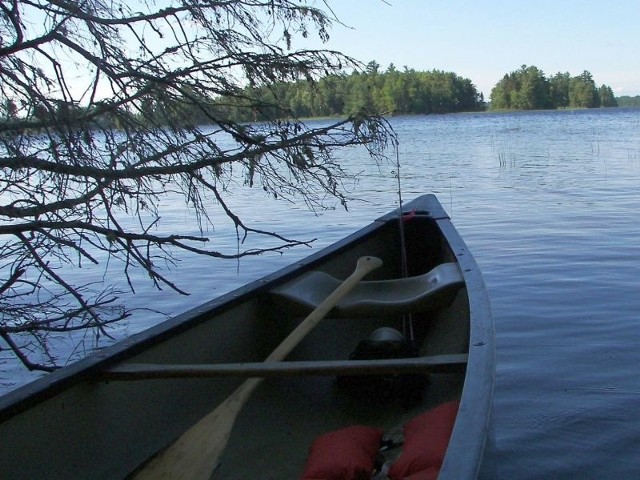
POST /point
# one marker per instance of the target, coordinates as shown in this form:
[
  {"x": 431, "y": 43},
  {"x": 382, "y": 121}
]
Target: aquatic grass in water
[{"x": 506, "y": 156}]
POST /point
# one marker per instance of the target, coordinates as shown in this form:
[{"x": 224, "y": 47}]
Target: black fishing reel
[{"x": 384, "y": 343}]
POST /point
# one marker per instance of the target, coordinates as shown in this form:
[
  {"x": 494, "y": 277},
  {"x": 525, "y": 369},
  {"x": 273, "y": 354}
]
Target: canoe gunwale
[{"x": 471, "y": 431}]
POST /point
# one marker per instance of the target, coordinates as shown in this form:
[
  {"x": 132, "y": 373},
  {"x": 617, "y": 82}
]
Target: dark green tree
[
  {"x": 500, "y": 96},
  {"x": 607, "y": 98},
  {"x": 583, "y": 92},
  {"x": 534, "y": 92},
  {"x": 559, "y": 89},
  {"x": 332, "y": 92},
  {"x": 372, "y": 68},
  {"x": 524, "y": 89}
]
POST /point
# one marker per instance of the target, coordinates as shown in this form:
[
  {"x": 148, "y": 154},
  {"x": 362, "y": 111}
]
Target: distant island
[
  {"x": 529, "y": 89},
  {"x": 627, "y": 101}
]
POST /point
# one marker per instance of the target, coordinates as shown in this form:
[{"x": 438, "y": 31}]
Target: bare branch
[{"x": 112, "y": 109}]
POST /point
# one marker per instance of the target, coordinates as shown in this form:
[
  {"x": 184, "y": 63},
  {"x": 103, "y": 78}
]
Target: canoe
[{"x": 108, "y": 414}]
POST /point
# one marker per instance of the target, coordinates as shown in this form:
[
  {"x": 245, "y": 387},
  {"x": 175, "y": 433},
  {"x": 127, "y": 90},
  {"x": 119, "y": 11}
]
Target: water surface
[{"x": 548, "y": 202}]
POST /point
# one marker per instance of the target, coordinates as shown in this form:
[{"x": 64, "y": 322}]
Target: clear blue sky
[{"x": 483, "y": 40}]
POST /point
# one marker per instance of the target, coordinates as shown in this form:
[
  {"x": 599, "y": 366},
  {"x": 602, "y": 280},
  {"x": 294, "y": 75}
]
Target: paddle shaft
[{"x": 195, "y": 454}]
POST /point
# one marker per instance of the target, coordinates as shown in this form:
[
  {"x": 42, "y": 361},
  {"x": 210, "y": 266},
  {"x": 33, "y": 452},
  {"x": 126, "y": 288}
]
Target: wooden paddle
[{"x": 196, "y": 453}]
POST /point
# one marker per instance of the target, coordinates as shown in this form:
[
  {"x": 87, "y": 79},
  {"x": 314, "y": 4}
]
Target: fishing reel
[{"x": 384, "y": 343}]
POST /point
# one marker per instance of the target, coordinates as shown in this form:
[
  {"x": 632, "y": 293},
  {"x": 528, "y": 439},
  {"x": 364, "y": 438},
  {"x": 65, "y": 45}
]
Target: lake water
[{"x": 549, "y": 203}]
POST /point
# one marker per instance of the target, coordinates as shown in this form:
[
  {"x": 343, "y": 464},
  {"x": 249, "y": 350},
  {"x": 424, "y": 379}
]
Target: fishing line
[{"x": 407, "y": 320}]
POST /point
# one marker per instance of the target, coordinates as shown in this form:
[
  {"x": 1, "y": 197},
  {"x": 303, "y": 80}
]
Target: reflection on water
[{"x": 548, "y": 202}]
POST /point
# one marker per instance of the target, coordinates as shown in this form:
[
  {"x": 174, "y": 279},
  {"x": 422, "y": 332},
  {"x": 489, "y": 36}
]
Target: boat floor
[{"x": 273, "y": 433}]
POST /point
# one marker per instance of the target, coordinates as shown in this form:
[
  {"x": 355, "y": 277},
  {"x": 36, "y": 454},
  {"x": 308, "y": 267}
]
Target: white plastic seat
[{"x": 426, "y": 292}]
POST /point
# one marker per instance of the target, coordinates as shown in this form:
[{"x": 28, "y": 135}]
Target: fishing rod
[{"x": 407, "y": 319}]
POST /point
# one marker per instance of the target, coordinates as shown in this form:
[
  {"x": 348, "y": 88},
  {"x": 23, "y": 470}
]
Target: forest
[{"x": 529, "y": 89}]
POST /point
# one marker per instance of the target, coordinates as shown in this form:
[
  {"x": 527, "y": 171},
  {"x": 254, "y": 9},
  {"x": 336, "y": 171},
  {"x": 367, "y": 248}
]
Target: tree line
[{"x": 528, "y": 88}]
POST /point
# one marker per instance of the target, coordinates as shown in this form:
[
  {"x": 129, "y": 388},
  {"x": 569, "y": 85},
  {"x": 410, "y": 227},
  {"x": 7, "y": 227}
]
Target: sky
[{"x": 483, "y": 40}]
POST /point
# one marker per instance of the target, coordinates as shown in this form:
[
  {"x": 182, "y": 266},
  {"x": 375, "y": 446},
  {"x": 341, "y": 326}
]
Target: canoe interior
[{"x": 85, "y": 427}]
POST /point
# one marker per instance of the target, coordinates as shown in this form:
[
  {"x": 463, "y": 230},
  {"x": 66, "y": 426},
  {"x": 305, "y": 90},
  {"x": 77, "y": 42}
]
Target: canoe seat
[{"x": 426, "y": 292}]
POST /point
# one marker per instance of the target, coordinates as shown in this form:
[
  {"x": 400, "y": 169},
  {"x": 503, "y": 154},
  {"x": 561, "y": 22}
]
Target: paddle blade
[
  {"x": 195, "y": 455},
  {"x": 178, "y": 461}
]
